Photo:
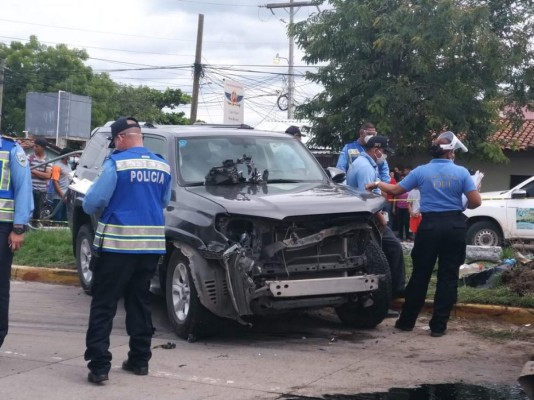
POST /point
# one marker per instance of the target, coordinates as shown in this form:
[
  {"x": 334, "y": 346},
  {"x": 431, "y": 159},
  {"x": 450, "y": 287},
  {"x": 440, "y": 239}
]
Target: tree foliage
[
  {"x": 35, "y": 67},
  {"x": 417, "y": 66}
]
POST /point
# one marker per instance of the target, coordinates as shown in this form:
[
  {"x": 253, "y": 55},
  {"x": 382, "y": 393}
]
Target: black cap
[
  {"x": 41, "y": 142},
  {"x": 380, "y": 142},
  {"x": 294, "y": 130},
  {"x": 121, "y": 124},
  {"x": 66, "y": 150}
]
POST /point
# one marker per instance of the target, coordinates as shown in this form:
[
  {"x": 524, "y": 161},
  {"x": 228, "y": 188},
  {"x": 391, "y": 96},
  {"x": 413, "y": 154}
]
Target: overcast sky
[{"x": 241, "y": 39}]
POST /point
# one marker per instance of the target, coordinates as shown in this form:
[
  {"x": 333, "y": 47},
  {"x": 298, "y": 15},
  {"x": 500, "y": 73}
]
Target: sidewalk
[{"x": 514, "y": 315}]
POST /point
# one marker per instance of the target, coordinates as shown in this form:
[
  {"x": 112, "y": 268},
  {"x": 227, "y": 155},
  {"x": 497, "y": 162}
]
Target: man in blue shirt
[
  {"x": 131, "y": 192},
  {"x": 16, "y": 206},
  {"x": 363, "y": 171},
  {"x": 351, "y": 151},
  {"x": 442, "y": 233}
]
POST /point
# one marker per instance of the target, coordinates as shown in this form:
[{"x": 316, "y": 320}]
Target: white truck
[{"x": 505, "y": 217}]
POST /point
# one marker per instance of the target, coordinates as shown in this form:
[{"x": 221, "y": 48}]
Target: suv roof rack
[{"x": 229, "y": 126}]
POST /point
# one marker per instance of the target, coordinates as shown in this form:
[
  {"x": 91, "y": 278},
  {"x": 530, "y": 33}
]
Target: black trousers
[
  {"x": 403, "y": 216},
  {"x": 116, "y": 275},
  {"x": 393, "y": 251},
  {"x": 6, "y": 258},
  {"x": 39, "y": 201},
  {"x": 441, "y": 237}
]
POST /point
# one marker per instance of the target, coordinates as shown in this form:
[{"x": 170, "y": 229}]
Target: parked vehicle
[
  {"x": 504, "y": 217},
  {"x": 255, "y": 226}
]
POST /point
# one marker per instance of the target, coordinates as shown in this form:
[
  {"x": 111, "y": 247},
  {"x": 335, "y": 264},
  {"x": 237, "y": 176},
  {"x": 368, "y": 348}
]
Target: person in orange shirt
[{"x": 60, "y": 181}]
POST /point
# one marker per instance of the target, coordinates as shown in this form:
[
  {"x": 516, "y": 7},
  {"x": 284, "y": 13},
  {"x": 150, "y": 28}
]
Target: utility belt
[{"x": 441, "y": 214}]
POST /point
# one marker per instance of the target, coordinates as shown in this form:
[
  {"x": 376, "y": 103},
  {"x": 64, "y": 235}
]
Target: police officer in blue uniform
[
  {"x": 131, "y": 192},
  {"x": 442, "y": 233},
  {"x": 352, "y": 150},
  {"x": 363, "y": 171},
  {"x": 16, "y": 206}
]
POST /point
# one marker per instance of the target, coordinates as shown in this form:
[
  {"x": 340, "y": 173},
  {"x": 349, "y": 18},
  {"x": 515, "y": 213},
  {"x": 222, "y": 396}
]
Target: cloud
[{"x": 130, "y": 34}]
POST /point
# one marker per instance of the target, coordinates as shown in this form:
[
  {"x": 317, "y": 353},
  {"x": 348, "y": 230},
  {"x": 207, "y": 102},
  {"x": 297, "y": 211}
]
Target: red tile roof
[{"x": 523, "y": 139}]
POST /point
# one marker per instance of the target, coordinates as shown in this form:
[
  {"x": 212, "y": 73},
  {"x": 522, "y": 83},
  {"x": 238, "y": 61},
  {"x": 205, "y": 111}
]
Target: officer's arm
[
  {"x": 473, "y": 199},
  {"x": 386, "y": 187},
  {"x": 383, "y": 171},
  {"x": 343, "y": 159},
  {"x": 167, "y": 195},
  {"x": 100, "y": 192},
  {"x": 22, "y": 184}
]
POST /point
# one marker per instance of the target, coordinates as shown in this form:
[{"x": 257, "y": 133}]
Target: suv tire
[
  {"x": 355, "y": 314},
  {"x": 189, "y": 318},
  {"x": 84, "y": 242}
]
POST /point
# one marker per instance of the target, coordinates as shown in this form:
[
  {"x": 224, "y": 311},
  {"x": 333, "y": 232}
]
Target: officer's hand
[{"x": 15, "y": 241}]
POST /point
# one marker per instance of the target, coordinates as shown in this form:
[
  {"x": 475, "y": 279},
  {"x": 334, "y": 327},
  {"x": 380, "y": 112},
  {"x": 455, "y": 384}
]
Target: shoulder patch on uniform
[{"x": 21, "y": 158}]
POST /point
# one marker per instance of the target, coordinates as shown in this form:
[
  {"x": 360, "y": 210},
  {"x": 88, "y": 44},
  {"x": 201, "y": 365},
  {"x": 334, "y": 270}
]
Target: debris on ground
[
  {"x": 520, "y": 279},
  {"x": 478, "y": 274},
  {"x": 166, "y": 346}
]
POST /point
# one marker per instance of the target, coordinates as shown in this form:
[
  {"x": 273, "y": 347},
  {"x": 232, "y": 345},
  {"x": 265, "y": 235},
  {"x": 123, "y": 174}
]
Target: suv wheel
[
  {"x": 355, "y": 314},
  {"x": 84, "y": 241},
  {"x": 484, "y": 233},
  {"x": 189, "y": 318}
]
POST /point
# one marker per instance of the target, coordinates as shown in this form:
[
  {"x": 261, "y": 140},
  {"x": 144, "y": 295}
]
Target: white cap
[{"x": 455, "y": 143}]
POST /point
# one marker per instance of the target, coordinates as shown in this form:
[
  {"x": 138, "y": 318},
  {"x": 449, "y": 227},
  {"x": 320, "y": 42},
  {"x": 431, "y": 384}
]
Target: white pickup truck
[{"x": 504, "y": 217}]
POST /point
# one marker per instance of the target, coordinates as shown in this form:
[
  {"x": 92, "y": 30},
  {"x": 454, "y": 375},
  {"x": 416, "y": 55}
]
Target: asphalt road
[{"x": 304, "y": 354}]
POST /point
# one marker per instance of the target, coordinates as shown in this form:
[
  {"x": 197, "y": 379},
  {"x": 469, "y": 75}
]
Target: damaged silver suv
[{"x": 255, "y": 226}]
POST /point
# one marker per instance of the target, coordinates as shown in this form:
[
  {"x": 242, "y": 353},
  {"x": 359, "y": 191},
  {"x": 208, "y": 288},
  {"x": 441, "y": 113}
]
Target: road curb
[
  {"x": 45, "y": 275},
  {"x": 514, "y": 315}
]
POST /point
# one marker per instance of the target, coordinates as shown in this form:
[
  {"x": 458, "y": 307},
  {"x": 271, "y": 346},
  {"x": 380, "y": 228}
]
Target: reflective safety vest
[
  {"x": 354, "y": 149},
  {"x": 7, "y": 194},
  {"x": 133, "y": 220}
]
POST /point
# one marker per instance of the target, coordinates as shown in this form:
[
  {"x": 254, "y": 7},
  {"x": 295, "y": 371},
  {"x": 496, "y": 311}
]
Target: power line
[{"x": 217, "y": 4}]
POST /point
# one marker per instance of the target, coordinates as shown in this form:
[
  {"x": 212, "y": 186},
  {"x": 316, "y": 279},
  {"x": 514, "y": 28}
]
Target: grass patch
[
  {"x": 46, "y": 248},
  {"x": 497, "y": 294},
  {"x": 502, "y": 335}
]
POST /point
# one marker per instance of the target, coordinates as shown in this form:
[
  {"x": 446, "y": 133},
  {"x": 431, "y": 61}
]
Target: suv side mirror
[
  {"x": 519, "y": 194},
  {"x": 337, "y": 175}
]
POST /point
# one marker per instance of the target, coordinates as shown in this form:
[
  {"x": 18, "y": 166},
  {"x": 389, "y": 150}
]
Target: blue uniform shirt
[
  {"x": 98, "y": 196},
  {"x": 351, "y": 152},
  {"x": 363, "y": 170},
  {"x": 22, "y": 185},
  {"x": 441, "y": 183}
]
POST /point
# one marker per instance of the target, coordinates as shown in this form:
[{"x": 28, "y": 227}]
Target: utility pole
[
  {"x": 2, "y": 67},
  {"x": 291, "y": 62},
  {"x": 198, "y": 70}
]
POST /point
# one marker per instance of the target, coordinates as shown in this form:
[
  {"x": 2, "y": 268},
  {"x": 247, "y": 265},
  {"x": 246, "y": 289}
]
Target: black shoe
[
  {"x": 392, "y": 314},
  {"x": 136, "y": 370},
  {"x": 97, "y": 378},
  {"x": 437, "y": 334},
  {"x": 402, "y": 327}
]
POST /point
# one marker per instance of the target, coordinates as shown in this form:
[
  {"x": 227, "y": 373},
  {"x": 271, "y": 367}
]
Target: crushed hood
[{"x": 281, "y": 200}]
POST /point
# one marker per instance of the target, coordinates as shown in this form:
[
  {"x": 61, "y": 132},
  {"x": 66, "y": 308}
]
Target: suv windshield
[{"x": 270, "y": 159}]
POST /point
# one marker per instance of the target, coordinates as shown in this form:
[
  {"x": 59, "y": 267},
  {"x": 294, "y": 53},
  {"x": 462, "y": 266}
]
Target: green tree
[
  {"x": 35, "y": 67},
  {"x": 416, "y": 66},
  {"x": 150, "y": 105}
]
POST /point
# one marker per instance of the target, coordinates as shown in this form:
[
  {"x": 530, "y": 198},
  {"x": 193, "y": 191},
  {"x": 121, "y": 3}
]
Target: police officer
[
  {"x": 16, "y": 206},
  {"x": 365, "y": 170},
  {"x": 352, "y": 150},
  {"x": 442, "y": 233},
  {"x": 132, "y": 191}
]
